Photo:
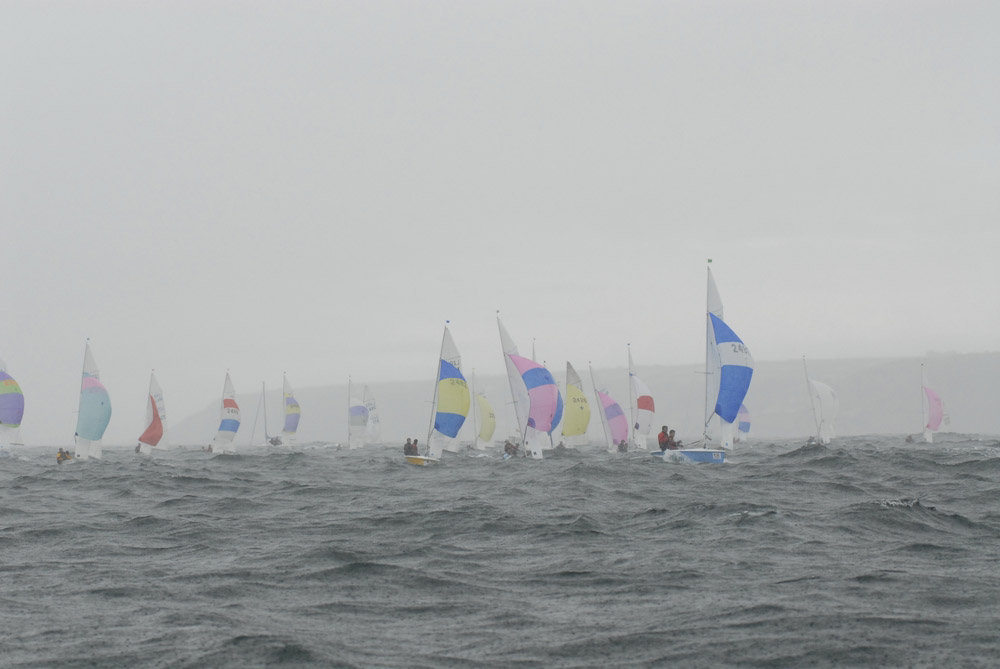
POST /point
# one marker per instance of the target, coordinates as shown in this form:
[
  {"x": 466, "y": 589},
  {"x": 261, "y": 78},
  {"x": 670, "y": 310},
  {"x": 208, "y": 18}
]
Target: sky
[{"x": 316, "y": 187}]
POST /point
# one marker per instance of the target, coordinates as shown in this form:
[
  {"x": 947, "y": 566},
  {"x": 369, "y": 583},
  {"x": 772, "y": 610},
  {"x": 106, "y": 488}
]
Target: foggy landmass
[{"x": 877, "y": 396}]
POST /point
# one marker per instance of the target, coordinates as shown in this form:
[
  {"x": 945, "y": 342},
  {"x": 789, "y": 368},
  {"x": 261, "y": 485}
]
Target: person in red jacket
[{"x": 663, "y": 438}]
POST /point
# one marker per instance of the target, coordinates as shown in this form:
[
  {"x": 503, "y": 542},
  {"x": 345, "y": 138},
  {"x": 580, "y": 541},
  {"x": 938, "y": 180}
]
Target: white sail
[
  {"x": 641, "y": 407},
  {"x": 825, "y": 406}
]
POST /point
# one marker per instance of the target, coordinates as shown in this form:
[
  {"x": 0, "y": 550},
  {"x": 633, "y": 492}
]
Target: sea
[{"x": 869, "y": 551}]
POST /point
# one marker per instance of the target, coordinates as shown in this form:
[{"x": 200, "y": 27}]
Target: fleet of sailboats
[{"x": 536, "y": 402}]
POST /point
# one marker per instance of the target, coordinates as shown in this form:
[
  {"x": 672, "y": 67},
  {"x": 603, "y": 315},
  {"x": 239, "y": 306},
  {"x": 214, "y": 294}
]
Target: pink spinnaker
[{"x": 935, "y": 410}]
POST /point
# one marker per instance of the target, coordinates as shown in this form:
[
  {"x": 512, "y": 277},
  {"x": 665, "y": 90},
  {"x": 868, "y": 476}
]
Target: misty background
[{"x": 315, "y": 187}]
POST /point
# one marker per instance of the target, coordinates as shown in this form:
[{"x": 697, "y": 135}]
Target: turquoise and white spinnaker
[{"x": 95, "y": 410}]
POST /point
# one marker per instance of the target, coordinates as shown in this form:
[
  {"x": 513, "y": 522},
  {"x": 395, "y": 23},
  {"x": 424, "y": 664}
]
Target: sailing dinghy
[
  {"x": 293, "y": 412},
  {"x": 641, "y": 407},
  {"x": 450, "y": 406},
  {"x": 825, "y": 405},
  {"x": 728, "y": 370},
  {"x": 932, "y": 408},
  {"x": 95, "y": 410},
  {"x": 229, "y": 420},
  {"x": 612, "y": 419},
  {"x": 156, "y": 418},
  {"x": 537, "y": 402}
]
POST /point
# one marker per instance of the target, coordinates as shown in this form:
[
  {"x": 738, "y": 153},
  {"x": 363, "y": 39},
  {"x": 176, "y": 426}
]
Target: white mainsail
[{"x": 641, "y": 407}]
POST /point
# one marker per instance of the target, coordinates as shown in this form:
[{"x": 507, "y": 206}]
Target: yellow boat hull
[{"x": 420, "y": 460}]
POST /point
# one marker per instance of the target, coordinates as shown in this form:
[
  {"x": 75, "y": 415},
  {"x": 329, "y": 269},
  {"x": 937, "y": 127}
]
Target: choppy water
[{"x": 870, "y": 551}]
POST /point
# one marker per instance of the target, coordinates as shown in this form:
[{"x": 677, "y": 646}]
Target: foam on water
[{"x": 867, "y": 551}]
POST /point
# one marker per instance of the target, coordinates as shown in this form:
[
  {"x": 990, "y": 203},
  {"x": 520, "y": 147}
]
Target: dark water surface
[{"x": 869, "y": 551}]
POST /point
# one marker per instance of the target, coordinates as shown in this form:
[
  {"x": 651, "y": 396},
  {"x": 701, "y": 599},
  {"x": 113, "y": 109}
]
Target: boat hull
[
  {"x": 421, "y": 460},
  {"x": 711, "y": 455}
]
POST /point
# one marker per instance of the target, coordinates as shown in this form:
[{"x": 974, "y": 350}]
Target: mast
[
  {"x": 632, "y": 408},
  {"x": 923, "y": 401},
  {"x": 475, "y": 412},
  {"x": 812, "y": 402},
  {"x": 256, "y": 415},
  {"x": 708, "y": 326},
  {"x": 437, "y": 379},
  {"x": 263, "y": 401},
  {"x": 348, "y": 411}
]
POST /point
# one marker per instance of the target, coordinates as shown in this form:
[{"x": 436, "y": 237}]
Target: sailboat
[
  {"x": 292, "y": 412},
  {"x": 269, "y": 439},
  {"x": 743, "y": 423},
  {"x": 156, "y": 418},
  {"x": 487, "y": 421},
  {"x": 641, "y": 406},
  {"x": 537, "y": 402},
  {"x": 612, "y": 418},
  {"x": 362, "y": 417},
  {"x": 577, "y": 416},
  {"x": 357, "y": 416},
  {"x": 728, "y": 370},
  {"x": 95, "y": 410},
  {"x": 932, "y": 408},
  {"x": 373, "y": 428},
  {"x": 229, "y": 420},
  {"x": 450, "y": 406},
  {"x": 825, "y": 406},
  {"x": 11, "y": 411}
]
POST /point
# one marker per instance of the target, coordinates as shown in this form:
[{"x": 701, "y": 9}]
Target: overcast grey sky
[{"x": 314, "y": 187}]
